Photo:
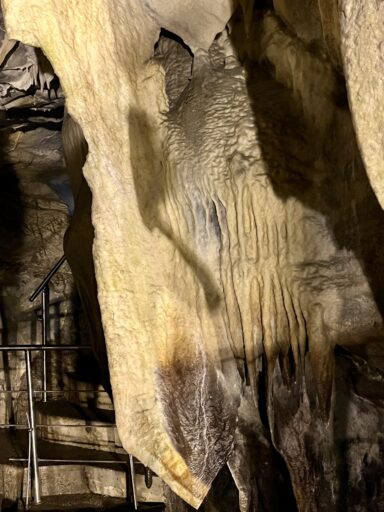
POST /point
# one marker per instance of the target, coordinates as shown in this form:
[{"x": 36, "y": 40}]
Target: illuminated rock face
[
  {"x": 234, "y": 223},
  {"x": 160, "y": 339}
]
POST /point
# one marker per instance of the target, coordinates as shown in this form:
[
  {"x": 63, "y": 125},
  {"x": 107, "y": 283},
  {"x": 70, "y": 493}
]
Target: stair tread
[
  {"x": 14, "y": 444},
  {"x": 65, "y": 409},
  {"x": 91, "y": 503}
]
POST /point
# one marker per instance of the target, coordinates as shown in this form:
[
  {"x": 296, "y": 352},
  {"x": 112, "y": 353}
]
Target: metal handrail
[
  {"x": 43, "y": 289},
  {"x": 47, "y": 278},
  {"x": 32, "y": 432},
  {"x": 33, "y": 461},
  {"x": 54, "y": 391},
  {"x": 27, "y": 349},
  {"x": 21, "y": 426},
  {"x": 42, "y": 348},
  {"x": 81, "y": 461}
]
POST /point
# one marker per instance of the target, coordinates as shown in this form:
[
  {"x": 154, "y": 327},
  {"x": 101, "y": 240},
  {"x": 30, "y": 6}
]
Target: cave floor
[
  {"x": 81, "y": 503},
  {"x": 13, "y": 444},
  {"x": 87, "y": 502}
]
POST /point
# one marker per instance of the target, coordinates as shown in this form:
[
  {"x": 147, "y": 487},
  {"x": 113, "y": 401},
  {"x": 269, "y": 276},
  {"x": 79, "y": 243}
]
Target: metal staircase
[{"x": 72, "y": 439}]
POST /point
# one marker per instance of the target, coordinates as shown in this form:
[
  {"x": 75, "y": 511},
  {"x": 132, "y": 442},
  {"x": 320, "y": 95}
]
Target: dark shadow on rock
[
  {"x": 290, "y": 150},
  {"x": 6, "y": 366},
  {"x": 11, "y": 220},
  {"x": 11, "y": 246},
  {"x": 338, "y": 189},
  {"x": 360, "y": 457},
  {"x": 259, "y": 469},
  {"x": 151, "y": 194},
  {"x": 78, "y": 244},
  {"x": 222, "y": 497}
]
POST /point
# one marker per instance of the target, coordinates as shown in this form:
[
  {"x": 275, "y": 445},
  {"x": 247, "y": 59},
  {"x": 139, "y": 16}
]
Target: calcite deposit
[{"x": 234, "y": 160}]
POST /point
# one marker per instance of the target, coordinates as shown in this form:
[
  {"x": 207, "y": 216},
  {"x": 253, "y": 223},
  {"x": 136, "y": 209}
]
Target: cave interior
[{"x": 212, "y": 174}]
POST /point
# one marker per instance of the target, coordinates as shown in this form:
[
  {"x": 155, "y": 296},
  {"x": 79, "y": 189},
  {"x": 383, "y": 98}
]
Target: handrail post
[
  {"x": 133, "y": 481},
  {"x": 45, "y": 334},
  {"x": 32, "y": 437}
]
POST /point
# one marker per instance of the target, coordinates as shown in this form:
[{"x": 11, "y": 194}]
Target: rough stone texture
[
  {"x": 90, "y": 480},
  {"x": 237, "y": 241},
  {"x": 183, "y": 19},
  {"x": 330, "y": 19},
  {"x": 302, "y": 17},
  {"x": 313, "y": 275},
  {"x": 354, "y": 34},
  {"x": 182, "y": 343},
  {"x": 362, "y": 46},
  {"x": 27, "y": 79},
  {"x": 57, "y": 414}
]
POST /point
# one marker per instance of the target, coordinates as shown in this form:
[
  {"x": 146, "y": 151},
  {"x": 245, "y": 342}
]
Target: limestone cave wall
[{"x": 235, "y": 171}]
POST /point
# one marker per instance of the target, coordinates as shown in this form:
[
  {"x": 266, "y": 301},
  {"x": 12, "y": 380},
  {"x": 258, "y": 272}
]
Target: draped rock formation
[{"x": 237, "y": 237}]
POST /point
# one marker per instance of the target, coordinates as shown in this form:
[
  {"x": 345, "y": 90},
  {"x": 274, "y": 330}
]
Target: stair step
[
  {"x": 85, "y": 503},
  {"x": 85, "y": 478},
  {"x": 90, "y": 427},
  {"x": 94, "y": 474},
  {"x": 14, "y": 445}
]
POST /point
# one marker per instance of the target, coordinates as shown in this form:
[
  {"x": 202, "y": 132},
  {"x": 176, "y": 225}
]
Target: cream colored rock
[
  {"x": 230, "y": 223},
  {"x": 362, "y": 47},
  {"x": 159, "y": 338},
  {"x": 354, "y": 32},
  {"x": 196, "y": 21}
]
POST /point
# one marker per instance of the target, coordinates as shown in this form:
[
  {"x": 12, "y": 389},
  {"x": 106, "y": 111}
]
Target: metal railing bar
[
  {"x": 47, "y": 278},
  {"x": 29, "y": 480},
  {"x": 133, "y": 483},
  {"x": 76, "y": 461},
  {"x": 20, "y": 426},
  {"x": 37, "y": 348},
  {"x": 73, "y": 425},
  {"x": 34, "y": 460},
  {"x": 53, "y": 391},
  {"x": 45, "y": 335}
]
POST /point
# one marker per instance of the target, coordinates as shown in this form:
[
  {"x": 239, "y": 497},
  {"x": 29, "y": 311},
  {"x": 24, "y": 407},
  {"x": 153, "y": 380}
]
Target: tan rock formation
[
  {"x": 156, "y": 334},
  {"x": 362, "y": 47},
  {"x": 233, "y": 221}
]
